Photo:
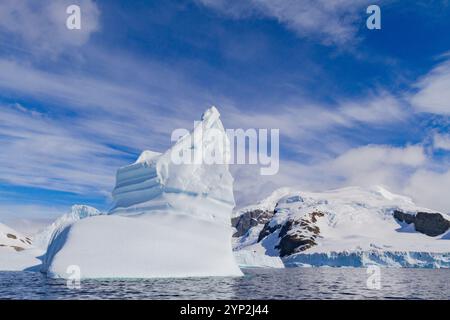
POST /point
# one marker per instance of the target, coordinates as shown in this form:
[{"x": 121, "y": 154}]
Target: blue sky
[{"x": 354, "y": 106}]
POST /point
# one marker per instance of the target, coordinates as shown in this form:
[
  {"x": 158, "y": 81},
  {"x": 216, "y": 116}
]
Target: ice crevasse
[{"x": 168, "y": 219}]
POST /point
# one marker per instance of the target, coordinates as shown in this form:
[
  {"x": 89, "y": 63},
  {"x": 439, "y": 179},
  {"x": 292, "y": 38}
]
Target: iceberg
[
  {"x": 168, "y": 219},
  {"x": 77, "y": 212}
]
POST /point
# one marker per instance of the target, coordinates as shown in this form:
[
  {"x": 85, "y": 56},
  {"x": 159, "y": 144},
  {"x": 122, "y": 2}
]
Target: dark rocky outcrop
[
  {"x": 267, "y": 229},
  {"x": 404, "y": 217},
  {"x": 299, "y": 235},
  {"x": 431, "y": 224},
  {"x": 11, "y": 236},
  {"x": 17, "y": 248},
  {"x": 250, "y": 219}
]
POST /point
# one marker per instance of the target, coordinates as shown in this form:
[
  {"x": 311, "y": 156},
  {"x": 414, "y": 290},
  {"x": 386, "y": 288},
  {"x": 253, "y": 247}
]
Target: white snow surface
[
  {"x": 77, "y": 212},
  {"x": 358, "y": 227},
  {"x": 16, "y": 250},
  {"x": 10, "y": 238},
  {"x": 168, "y": 219}
]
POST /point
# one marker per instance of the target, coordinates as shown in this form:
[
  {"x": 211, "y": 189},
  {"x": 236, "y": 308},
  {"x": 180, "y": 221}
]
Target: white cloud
[
  {"x": 361, "y": 166},
  {"x": 75, "y": 145},
  {"x": 433, "y": 95},
  {"x": 40, "y": 26},
  {"x": 41, "y": 152},
  {"x": 431, "y": 189},
  {"x": 371, "y": 157},
  {"x": 333, "y": 22},
  {"x": 404, "y": 170},
  {"x": 381, "y": 108},
  {"x": 113, "y": 108},
  {"x": 378, "y": 165},
  {"x": 441, "y": 141},
  {"x": 317, "y": 129}
]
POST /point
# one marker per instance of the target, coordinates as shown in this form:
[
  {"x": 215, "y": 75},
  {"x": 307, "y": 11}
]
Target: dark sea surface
[{"x": 292, "y": 283}]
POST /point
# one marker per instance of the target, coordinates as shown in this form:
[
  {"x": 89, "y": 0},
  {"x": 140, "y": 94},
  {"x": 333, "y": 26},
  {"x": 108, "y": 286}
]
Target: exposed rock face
[
  {"x": 250, "y": 219},
  {"x": 299, "y": 235},
  {"x": 10, "y": 238},
  {"x": 404, "y": 217},
  {"x": 431, "y": 224},
  {"x": 295, "y": 235},
  {"x": 268, "y": 230}
]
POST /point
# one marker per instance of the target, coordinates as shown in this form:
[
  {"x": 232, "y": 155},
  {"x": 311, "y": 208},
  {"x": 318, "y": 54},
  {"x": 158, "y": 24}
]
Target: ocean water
[{"x": 292, "y": 283}]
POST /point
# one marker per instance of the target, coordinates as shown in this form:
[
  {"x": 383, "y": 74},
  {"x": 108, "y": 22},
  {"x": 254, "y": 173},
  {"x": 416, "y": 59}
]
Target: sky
[{"x": 354, "y": 106}]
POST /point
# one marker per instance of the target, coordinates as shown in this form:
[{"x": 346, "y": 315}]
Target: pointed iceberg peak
[
  {"x": 211, "y": 113},
  {"x": 210, "y": 120},
  {"x": 195, "y": 167},
  {"x": 147, "y": 156}
]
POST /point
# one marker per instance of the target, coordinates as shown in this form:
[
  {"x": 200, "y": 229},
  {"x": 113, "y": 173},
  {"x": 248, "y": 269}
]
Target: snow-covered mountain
[
  {"x": 12, "y": 239},
  {"x": 345, "y": 227},
  {"x": 16, "y": 250},
  {"x": 168, "y": 219}
]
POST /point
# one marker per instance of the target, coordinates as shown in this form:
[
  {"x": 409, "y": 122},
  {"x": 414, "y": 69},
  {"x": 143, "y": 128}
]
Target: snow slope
[
  {"x": 16, "y": 250},
  {"x": 77, "y": 212},
  {"x": 12, "y": 239},
  {"x": 345, "y": 227},
  {"x": 168, "y": 219}
]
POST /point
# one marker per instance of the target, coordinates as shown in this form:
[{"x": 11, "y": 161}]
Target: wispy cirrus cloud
[
  {"x": 145, "y": 100},
  {"x": 331, "y": 22},
  {"x": 39, "y": 28},
  {"x": 323, "y": 130},
  {"x": 42, "y": 152},
  {"x": 91, "y": 124},
  {"x": 432, "y": 91},
  {"x": 442, "y": 141}
]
